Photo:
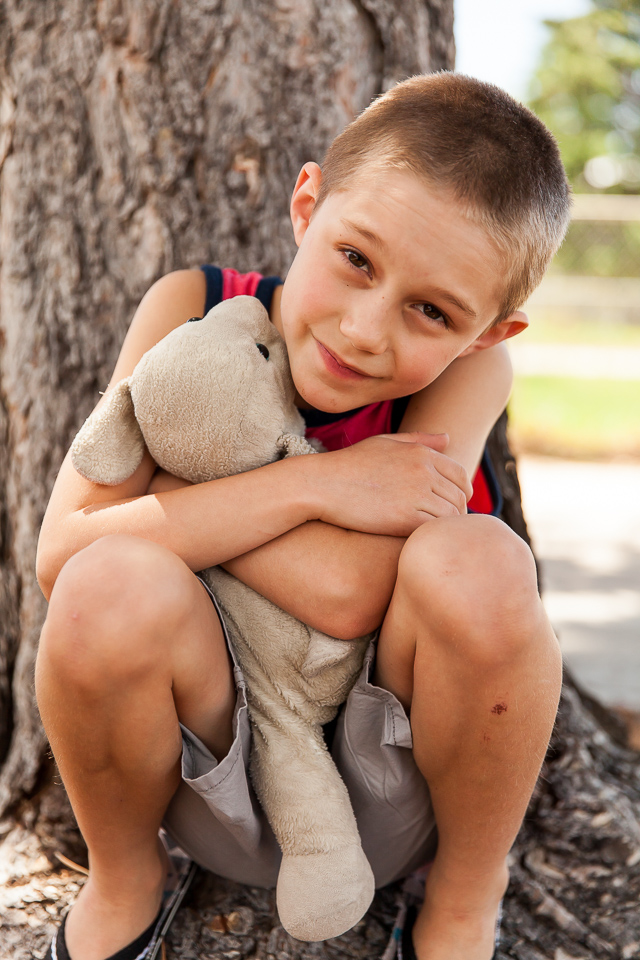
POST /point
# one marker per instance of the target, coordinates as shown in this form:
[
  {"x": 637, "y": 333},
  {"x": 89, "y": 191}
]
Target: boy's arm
[
  {"x": 464, "y": 402},
  {"x": 340, "y": 581},
  {"x": 187, "y": 522},
  {"x": 207, "y": 523},
  {"x": 203, "y": 525}
]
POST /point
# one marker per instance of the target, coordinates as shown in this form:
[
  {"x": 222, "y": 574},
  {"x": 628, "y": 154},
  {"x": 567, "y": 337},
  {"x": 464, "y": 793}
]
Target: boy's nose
[{"x": 366, "y": 330}]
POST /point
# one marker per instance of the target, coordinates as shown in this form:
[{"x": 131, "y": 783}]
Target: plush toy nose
[
  {"x": 193, "y": 319},
  {"x": 263, "y": 350}
]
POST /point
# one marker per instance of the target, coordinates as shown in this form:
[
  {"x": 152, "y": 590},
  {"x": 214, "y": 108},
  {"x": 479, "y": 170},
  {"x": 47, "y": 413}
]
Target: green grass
[{"x": 562, "y": 416}]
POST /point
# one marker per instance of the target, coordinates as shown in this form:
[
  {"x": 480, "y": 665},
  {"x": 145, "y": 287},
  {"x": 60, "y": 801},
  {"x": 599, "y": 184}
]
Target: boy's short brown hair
[{"x": 493, "y": 154}]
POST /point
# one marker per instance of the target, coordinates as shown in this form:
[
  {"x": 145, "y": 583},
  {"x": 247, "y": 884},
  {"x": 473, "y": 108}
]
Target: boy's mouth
[{"x": 338, "y": 366}]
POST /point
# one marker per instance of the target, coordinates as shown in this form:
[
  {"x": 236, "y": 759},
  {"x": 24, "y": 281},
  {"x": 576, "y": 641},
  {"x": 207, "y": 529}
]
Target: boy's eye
[
  {"x": 356, "y": 259},
  {"x": 433, "y": 313}
]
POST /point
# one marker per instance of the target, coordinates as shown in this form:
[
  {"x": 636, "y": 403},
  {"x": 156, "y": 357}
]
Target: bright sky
[{"x": 499, "y": 41}]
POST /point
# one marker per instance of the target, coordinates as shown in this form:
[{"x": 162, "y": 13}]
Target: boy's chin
[
  {"x": 316, "y": 400},
  {"x": 311, "y": 397}
]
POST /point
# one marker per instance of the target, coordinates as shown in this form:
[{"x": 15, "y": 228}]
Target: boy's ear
[
  {"x": 513, "y": 325},
  {"x": 303, "y": 199}
]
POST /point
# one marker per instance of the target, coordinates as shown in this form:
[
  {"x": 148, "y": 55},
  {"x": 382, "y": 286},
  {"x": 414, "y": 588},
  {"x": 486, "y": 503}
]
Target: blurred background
[{"x": 575, "y": 410}]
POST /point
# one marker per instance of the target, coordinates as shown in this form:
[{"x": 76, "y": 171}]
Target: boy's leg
[
  {"x": 131, "y": 643},
  {"x": 467, "y": 648}
]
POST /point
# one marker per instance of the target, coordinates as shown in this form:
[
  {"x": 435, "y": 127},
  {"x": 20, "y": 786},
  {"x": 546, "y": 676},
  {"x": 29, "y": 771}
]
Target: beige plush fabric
[
  {"x": 205, "y": 399},
  {"x": 207, "y": 403}
]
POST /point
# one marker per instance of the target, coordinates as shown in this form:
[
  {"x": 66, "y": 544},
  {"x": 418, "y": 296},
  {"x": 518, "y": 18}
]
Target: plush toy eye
[
  {"x": 263, "y": 350},
  {"x": 193, "y": 319}
]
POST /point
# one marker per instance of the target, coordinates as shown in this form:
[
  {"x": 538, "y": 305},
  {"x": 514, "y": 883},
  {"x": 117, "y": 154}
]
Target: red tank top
[{"x": 341, "y": 430}]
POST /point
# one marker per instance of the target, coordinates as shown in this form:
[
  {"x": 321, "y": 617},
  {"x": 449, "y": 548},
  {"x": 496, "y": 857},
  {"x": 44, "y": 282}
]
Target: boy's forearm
[
  {"x": 335, "y": 580},
  {"x": 204, "y": 524}
]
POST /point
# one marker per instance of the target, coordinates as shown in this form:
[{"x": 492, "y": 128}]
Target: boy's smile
[{"x": 391, "y": 283}]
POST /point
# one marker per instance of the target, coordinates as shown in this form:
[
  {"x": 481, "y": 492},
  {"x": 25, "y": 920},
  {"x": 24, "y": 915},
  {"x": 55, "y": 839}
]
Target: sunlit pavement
[{"x": 584, "y": 519}]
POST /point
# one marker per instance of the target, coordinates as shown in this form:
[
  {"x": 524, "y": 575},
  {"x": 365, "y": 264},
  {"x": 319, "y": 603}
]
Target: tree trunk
[
  {"x": 140, "y": 137},
  {"x": 137, "y": 137}
]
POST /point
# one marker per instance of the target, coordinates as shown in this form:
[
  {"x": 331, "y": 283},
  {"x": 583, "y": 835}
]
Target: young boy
[{"x": 432, "y": 219}]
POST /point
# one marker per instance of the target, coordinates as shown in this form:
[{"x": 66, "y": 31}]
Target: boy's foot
[
  {"x": 110, "y": 924},
  {"x": 406, "y": 948},
  {"x": 104, "y": 921},
  {"x": 455, "y": 923},
  {"x": 140, "y": 948}
]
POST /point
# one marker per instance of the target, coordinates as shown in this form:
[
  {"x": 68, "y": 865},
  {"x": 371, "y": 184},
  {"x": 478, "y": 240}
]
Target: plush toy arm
[
  {"x": 291, "y": 445},
  {"x": 109, "y": 446}
]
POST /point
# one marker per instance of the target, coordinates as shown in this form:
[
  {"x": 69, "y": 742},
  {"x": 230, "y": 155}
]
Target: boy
[{"x": 434, "y": 216}]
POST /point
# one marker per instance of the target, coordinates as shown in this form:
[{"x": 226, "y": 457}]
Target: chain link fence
[{"x": 596, "y": 273}]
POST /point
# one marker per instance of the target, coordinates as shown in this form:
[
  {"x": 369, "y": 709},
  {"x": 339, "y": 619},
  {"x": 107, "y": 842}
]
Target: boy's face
[{"x": 391, "y": 283}]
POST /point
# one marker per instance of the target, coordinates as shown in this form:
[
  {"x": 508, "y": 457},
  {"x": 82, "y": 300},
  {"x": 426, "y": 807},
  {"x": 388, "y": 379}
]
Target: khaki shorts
[{"x": 216, "y": 818}]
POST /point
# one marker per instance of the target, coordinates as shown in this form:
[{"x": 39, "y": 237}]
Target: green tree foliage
[{"x": 587, "y": 90}]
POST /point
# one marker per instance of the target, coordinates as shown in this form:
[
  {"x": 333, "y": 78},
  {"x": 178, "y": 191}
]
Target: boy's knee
[
  {"x": 473, "y": 581},
  {"x": 110, "y": 607}
]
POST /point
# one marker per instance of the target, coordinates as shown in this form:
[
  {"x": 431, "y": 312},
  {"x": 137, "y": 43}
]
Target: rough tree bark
[{"x": 140, "y": 136}]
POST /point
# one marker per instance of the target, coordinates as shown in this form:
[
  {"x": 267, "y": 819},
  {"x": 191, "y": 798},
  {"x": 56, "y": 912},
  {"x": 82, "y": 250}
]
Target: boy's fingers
[
  {"x": 452, "y": 471},
  {"x": 452, "y": 493},
  {"x": 440, "y": 508},
  {"x": 456, "y": 474},
  {"x": 443, "y": 503},
  {"x": 446, "y": 467}
]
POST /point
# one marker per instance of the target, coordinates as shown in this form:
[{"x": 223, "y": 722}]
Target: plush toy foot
[{"x": 321, "y": 895}]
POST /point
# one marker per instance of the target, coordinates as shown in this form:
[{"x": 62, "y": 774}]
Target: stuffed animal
[{"x": 215, "y": 398}]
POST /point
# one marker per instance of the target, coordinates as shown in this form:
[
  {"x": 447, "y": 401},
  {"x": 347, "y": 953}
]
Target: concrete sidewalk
[{"x": 584, "y": 519}]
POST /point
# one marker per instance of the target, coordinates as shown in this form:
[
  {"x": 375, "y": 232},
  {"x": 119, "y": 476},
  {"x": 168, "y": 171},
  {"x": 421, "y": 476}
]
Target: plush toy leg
[
  {"x": 325, "y": 883},
  {"x": 322, "y": 895},
  {"x": 295, "y": 680}
]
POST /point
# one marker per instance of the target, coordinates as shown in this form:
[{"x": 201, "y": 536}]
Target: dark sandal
[
  {"x": 406, "y": 950},
  {"x": 148, "y": 945},
  {"x": 140, "y": 948}
]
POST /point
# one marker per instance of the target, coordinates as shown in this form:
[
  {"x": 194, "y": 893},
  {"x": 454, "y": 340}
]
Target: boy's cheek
[
  {"x": 311, "y": 311},
  {"x": 426, "y": 365}
]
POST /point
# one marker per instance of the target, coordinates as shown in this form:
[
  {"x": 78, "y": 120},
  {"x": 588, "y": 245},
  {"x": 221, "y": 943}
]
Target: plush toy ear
[
  {"x": 109, "y": 446},
  {"x": 291, "y": 445}
]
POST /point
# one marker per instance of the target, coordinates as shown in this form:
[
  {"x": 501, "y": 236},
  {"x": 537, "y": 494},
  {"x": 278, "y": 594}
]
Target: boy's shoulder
[{"x": 171, "y": 301}]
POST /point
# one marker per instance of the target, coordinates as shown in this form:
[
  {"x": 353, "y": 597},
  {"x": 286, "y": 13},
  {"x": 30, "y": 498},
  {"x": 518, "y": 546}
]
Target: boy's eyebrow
[
  {"x": 373, "y": 238},
  {"x": 460, "y": 304}
]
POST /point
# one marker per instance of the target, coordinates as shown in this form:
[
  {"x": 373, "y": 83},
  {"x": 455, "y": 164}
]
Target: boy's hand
[{"x": 388, "y": 485}]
